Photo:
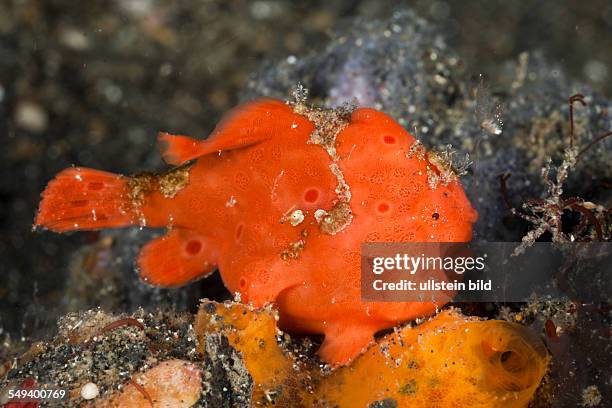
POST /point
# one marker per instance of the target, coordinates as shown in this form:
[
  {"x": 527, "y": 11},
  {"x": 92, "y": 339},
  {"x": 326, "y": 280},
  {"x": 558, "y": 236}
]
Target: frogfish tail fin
[
  {"x": 178, "y": 149},
  {"x": 85, "y": 199}
]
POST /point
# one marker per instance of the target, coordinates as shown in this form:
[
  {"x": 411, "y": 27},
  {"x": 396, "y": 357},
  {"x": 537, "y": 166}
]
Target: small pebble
[
  {"x": 90, "y": 391},
  {"x": 74, "y": 38},
  {"x": 31, "y": 116}
]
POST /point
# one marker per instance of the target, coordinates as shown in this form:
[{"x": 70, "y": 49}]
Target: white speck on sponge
[{"x": 90, "y": 391}]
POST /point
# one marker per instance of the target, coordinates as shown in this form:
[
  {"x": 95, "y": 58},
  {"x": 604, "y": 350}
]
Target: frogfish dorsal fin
[{"x": 245, "y": 125}]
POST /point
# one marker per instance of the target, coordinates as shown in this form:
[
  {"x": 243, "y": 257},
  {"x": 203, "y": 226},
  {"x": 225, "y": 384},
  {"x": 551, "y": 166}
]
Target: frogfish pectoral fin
[
  {"x": 245, "y": 125},
  {"x": 177, "y": 258}
]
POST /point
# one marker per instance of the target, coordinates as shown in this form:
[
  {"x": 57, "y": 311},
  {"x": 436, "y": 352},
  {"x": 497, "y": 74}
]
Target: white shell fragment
[
  {"x": 296, "y": 217},
  {"x": 89, "y": 391},
  {"x": 319, "y": 215}
]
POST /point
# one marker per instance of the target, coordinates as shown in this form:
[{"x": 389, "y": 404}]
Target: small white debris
[
  {"x": 31, "y": 116},
  {"x": 596, "y": 71},
  {"x": 165, "y": 70},
  {"x": 319, "y": 215},
  {"x": 74, "y": 38},
  {"x": 591, "y": 397},
  {"x": 231, "y": 202},
  {"x": 491, "y": 126},
  {"x": 275, "y": 185},
  {"x": 90, "y": 391},
  {"x": 111, "y": 91},
  {"x": 296, "y": 218},
  {"x": 300, "y": 94},
  {"x": 488, "y": 112}
]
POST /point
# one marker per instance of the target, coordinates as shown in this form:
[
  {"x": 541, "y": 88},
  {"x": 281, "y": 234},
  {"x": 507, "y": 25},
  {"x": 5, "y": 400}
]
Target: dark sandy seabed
[{"x": 91, "y": 83}]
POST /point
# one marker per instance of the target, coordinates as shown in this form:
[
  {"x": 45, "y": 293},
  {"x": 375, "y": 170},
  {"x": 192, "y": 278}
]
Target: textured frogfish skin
[{"x": 280, "y": 197}]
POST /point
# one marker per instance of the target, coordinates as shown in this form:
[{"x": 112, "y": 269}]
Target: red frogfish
[{"x": 279, "y": 198}]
